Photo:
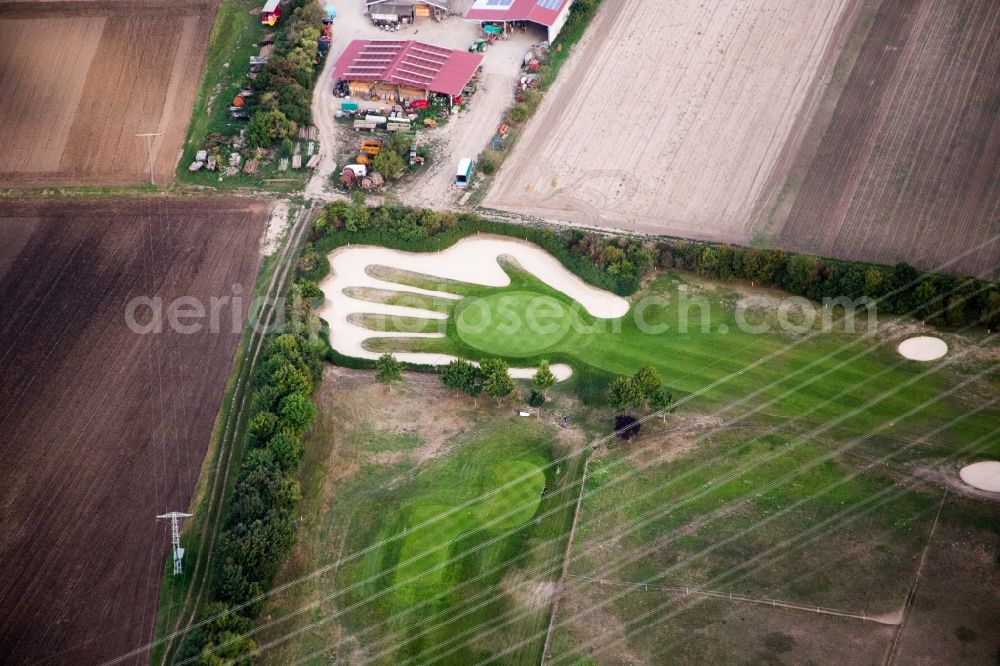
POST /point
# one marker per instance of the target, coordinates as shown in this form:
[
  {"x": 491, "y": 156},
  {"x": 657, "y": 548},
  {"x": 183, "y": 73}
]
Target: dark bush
[{"x": 627, "y": 426}]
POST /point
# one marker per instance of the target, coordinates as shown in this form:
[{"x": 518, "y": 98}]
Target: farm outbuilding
[
  {"x": 404, "y": 70},
  {"x": 270, "y": 13},
  {"x": 550, "y": 14},
  {"x": 398, "y": 11}
]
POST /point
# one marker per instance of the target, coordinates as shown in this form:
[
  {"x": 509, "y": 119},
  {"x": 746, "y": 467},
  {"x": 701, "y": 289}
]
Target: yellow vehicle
[{"x": 371, "y": 147}]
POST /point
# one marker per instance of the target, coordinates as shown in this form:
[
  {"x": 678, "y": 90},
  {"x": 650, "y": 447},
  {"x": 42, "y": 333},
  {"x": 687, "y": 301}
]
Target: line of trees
[
  {"x": 899, "y": 289},
  {"x": 491, "y": 377},
  {"x": 283, "y": 88},
  {"x": 613, "y": 263},
  {"x": 620, "y": 263},
  {"x": 258, "y": 530}
]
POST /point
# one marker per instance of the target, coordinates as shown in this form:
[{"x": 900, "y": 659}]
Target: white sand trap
[
  {"x": 983, "y": 475},
  {"x": 472, "y": 260},
  {"x": 922, "y": 348}
]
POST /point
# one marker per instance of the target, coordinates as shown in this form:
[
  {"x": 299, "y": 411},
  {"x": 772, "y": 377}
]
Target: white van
[{"x": 464, "y": 174}]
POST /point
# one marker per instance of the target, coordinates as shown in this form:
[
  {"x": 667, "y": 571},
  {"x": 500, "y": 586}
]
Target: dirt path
[
  {"x": 911, "y": 594},
  {"x": 890, "y": 619}
]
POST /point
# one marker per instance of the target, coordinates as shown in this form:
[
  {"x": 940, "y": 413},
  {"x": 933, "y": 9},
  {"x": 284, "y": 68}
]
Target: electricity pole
[
  {"x": 149, "y": 151},
  {"x": 175, "y": 537}
]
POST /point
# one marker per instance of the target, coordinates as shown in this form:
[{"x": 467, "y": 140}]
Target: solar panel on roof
[{"x": 549, "y": 4}]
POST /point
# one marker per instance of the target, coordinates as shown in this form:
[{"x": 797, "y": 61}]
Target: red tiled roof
[
  {"x": 407, "y": 63},
  {"x": 536, "y": 11}
]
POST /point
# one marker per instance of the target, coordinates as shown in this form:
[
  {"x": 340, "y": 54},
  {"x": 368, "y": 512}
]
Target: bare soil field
[
  {"x": 674, "y": 117},
  {"x": 102, "y": 428},
  {"x": 83, "y": 78},
  {"x": 906, "y": 168}
]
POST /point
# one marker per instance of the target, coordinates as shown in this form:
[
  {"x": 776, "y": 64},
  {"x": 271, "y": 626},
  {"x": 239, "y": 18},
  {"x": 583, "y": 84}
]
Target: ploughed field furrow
[
  {"x": 102, "y": 427},
  {"x": 906, "y": 170}
]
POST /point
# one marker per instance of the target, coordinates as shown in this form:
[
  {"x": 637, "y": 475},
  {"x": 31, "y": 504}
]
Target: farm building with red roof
[
  {"x": 551, "y": 14},
  {"x": 404, "y": 70}
]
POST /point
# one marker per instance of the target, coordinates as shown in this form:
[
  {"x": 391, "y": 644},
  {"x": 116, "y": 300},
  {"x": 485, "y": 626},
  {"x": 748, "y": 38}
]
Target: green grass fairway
[
  {"x": 815, "y": 381},
  {"x": 410, "y": 565},
  {"x": 422, "y": 578}
]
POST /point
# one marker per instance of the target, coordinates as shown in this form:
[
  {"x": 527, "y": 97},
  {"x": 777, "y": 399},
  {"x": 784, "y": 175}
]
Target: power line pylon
[{"x": 175, "y": 537}]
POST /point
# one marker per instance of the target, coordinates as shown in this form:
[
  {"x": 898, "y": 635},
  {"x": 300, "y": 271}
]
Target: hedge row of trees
[
  {"x": 616, "y": 264},
  {"x": 258, "y": 530},
  {"x": 284, "y": 87},
  {"x": 941, "y": 299},
  {"x": 619, "y": 263}
]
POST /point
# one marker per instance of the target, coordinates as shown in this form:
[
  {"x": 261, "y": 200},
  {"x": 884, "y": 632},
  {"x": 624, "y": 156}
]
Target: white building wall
[{"x": 559, "y": 22}]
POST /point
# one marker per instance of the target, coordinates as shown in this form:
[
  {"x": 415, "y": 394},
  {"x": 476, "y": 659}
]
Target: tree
[
  {"x": 287, "y": 451},
  {"x": 297, "y": 411},
  {"x": 401, "y": 142},
  {"x": 262, "y": 427},
  {"x": 223, "y": 639},
  {"x": 647, "y": 381},
  {"x": 925, "y": 298},
  {"x": 388, "y": 370},
  {"x": 290, "y": 379},
  {"x": 624, "y": 394},
  {"x": 662, "y": 401},
  {"x": 803, "y": 271},
  {"x": 543, "y": 379},
  {"x": 462, "y": 376},
  {"x": 267, "y": 126},
  {"x": 261, "y": 488},
  {"x": 389, "y": 163},
  {"x": 310, "y": 289},
  {"x": 496, "y": 379}
]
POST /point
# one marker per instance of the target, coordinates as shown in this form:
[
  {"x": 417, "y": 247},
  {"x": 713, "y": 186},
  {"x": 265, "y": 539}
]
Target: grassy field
[
  {"x": 651, "y": 531},
  {"x": 233, "y": 40},
  {"x": 692, "y": 335},
  {"x": 692, "y": 502},
  {"x": 230, "y": 46},
  {"x": 379, "y": 466}
]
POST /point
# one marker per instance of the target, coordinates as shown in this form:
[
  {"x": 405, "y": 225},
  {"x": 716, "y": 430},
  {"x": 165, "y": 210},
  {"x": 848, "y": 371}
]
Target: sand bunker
[
  {"x": 922, "y": 348},
  {"x": 983, "y": 475},
  {"x": 472, "y": 260}
]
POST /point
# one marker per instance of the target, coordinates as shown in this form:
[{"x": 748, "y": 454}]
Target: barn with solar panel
[
  {"x": 550, "y": 14},
  {"x": 404, "y": 70}
]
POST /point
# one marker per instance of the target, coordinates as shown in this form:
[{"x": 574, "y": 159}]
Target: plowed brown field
[
  {"x": 101, "y": 428},
  {"x": 81, "y": 79},
  {"x": 907, "y": 168}
]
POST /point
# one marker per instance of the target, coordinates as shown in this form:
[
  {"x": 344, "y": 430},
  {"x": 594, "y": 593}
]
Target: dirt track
[
  {"x": 83, "y": 78},
  {"x": 907, "y": 168},
  {"x": 102, "y": 428},
  {"x": 671, "y": 117}
]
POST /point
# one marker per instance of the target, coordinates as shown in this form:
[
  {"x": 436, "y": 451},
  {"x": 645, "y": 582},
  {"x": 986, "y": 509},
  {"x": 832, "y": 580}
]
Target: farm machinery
[{"x": 356, "y": 175}]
